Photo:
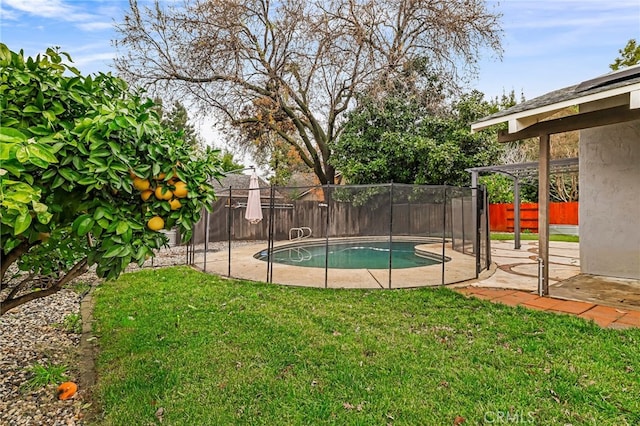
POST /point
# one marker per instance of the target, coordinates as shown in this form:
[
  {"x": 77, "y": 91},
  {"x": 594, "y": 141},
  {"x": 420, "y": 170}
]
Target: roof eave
[{"x": 523, "y": 119}]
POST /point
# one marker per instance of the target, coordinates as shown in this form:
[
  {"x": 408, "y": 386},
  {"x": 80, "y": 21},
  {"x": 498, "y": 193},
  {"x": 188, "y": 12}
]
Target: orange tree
[{"x": 74, "y": 153}]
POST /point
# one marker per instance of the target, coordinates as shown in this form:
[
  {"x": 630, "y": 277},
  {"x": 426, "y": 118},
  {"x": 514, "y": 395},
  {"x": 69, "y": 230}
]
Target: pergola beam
[{"x": 570, "y": 123}]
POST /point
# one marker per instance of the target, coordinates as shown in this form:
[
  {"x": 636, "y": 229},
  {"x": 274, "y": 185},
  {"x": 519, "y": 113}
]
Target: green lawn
[
  {"x": 211, "y": 351},
  {"x": 528, "y": 236}
]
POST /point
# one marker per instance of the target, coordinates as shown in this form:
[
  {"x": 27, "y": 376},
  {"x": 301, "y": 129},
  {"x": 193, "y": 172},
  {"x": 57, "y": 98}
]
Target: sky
[{"x": 548, "y": 44}]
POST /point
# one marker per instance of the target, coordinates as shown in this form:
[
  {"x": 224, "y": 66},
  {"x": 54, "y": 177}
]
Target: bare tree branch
[
  {"x": 311, "y": 58},
  {"x": 77, "y": 270}
]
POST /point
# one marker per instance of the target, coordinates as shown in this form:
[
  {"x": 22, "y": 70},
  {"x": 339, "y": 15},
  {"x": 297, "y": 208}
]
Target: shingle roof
[
  {"x": 239, "y": 184},
  {"x": 605, "y": 83}
]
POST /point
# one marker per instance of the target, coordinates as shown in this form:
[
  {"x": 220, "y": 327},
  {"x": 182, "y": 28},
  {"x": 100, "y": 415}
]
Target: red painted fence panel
[{"x": 501, "y": 216}]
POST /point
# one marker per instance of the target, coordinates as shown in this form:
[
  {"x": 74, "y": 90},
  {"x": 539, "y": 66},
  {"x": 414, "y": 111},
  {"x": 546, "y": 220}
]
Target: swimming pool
[{"x": 353, "y": 254}]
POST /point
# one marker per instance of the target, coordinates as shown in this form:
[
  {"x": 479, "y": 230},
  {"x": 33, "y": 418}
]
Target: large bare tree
[{"x": 292, "y": 68}]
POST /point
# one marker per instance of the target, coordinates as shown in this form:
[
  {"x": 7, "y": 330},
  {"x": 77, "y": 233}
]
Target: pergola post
[
  {"x": 543, "y": 215},
  {"x": 516, "y": 212}
]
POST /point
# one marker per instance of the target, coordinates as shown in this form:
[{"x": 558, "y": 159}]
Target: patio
[{"x": 610, "y": 302}]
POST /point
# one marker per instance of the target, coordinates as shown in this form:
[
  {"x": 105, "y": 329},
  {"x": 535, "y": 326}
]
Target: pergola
[
  {"x": 517, "y": 172},
  {"x": 607, "y": 100}
]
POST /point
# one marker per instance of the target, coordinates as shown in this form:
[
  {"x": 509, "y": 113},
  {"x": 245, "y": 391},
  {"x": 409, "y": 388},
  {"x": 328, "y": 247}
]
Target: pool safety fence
[{"x": 347, "y": 236}]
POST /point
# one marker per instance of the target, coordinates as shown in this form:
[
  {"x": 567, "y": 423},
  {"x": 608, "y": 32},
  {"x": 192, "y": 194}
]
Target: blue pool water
[{"x": 351, "y": 255}]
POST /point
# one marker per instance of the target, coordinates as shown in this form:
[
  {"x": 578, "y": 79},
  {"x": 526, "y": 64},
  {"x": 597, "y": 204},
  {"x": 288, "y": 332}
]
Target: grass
[
  {"x": 502, "y": 236},
  {"x": 213, "y": 351},
  {"x": 43, "y": 375}
]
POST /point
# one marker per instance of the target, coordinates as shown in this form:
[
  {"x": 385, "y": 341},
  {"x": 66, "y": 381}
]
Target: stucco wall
[{"x": 610, "y": 200}]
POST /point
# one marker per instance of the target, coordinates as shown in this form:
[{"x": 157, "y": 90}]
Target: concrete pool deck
[{"x": 244, "y": 265}]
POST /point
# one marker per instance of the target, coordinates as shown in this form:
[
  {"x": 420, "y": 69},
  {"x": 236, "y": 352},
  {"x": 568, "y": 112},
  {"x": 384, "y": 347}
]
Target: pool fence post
[
  {"x": 206, "y": 239},
  {"x": 229, "y": 225},
  {"x": 189, "y": 243},
  {"x": 271, "y": 234},
  {"x": 487, "y": 231},
  {"x": 327, "y": 198},
  {"x": 478, "y": 227},
  {"x": 462, "y": 222},
  {"x": 390, "y": 232},
  {"x": 444, "y": 227}
]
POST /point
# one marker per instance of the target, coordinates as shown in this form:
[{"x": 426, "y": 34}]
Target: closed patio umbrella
[{"x": 254, "y": 207}]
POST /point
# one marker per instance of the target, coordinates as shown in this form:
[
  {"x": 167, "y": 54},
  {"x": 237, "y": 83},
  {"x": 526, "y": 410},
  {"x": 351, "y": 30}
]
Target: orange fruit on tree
[
  {"x": 163, "y": 193},
  {"x": 141, "y": 184},
  {"x": 156, "y": 223},
  {"x": 180, "y": 190},
  {"x": 146, "y": 194},
  {"x": 160, "y": 176},
  {"x": 175, "y": 204}
]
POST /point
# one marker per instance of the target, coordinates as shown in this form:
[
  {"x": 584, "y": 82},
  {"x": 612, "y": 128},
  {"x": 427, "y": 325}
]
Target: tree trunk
[{"x": 77, "y": 270}]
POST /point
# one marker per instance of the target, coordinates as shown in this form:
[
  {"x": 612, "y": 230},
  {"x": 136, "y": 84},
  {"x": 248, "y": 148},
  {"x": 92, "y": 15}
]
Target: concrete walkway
[{"x": 515, "y": 281}]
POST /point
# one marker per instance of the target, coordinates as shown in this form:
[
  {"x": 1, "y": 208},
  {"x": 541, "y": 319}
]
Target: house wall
[{"x": 610, "y": 199}]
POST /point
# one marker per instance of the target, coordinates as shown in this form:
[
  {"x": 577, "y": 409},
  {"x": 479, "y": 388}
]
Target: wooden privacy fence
[
  {"x": 401, "y": 210},
  {"x": 345, "y": 220},
  {"x": 501, "y": 216}
]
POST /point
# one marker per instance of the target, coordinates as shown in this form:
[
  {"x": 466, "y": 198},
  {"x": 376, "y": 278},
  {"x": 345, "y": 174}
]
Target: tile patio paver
[
  {"x": 604, "y": 316},
  {"x": 573, "y": 307},
  {"x": 602, "y": 321},
  {"x": 631, "y": 318},
  {"x": 517, "y": 298},
  {"x": 493, "y": 292},
  {"x": 544, "y": 302},
  {"x": 608, "y": 311}
]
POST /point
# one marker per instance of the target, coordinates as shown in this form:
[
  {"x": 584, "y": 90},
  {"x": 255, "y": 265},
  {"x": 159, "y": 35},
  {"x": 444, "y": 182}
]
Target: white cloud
[
  {"x": 603, "y": 19},
  {"x": 88, "y": 61},
  {"x": 43, "y": 8},
  {"x": 7, "y": 15},
  {"x": 50, "y": 9},
  {"x": 95, "y": 26}
]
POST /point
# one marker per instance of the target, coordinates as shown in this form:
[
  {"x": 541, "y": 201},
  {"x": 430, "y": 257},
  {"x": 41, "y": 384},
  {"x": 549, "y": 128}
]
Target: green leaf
[
  {"x": 39, "y": 207},
  {"x": 122, "y": 227},
  {"x": 88, "y": 180},
  {"x": 82, "y": 224},
  {"x": 8, "y": 134},
  {"x": 99, "y": 213},
  {"x": 42, "y": 152},
  {"x": 44, "y": 217},
  {"x": 5, "y": 150},
  {"x": 39, "y": 162},
  {"x": 21, "y": 224},
  {"x": 22, "y": 154},
  {"x": 77, "y": 162},
  {"x": 31, "y": 108},
  {"x": 20, "y": 196},
  {"x": 40, "y": 100},
  {"x": 49, "y": 115},
  {"x": 14, "y": 169},
  {"x": 128, "y": 235},
  {"x": 22, "y": 77},
  {"x": 58, "y": 181},
  {"x": 68, "y": 174},
  {"x": 49, "y": 174},
  {"x": 39, "y": 130},
  {"x": 9, "y": 244},
  {"x": 114, "y": 251},
  {"x": 121, "y": 121}
]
